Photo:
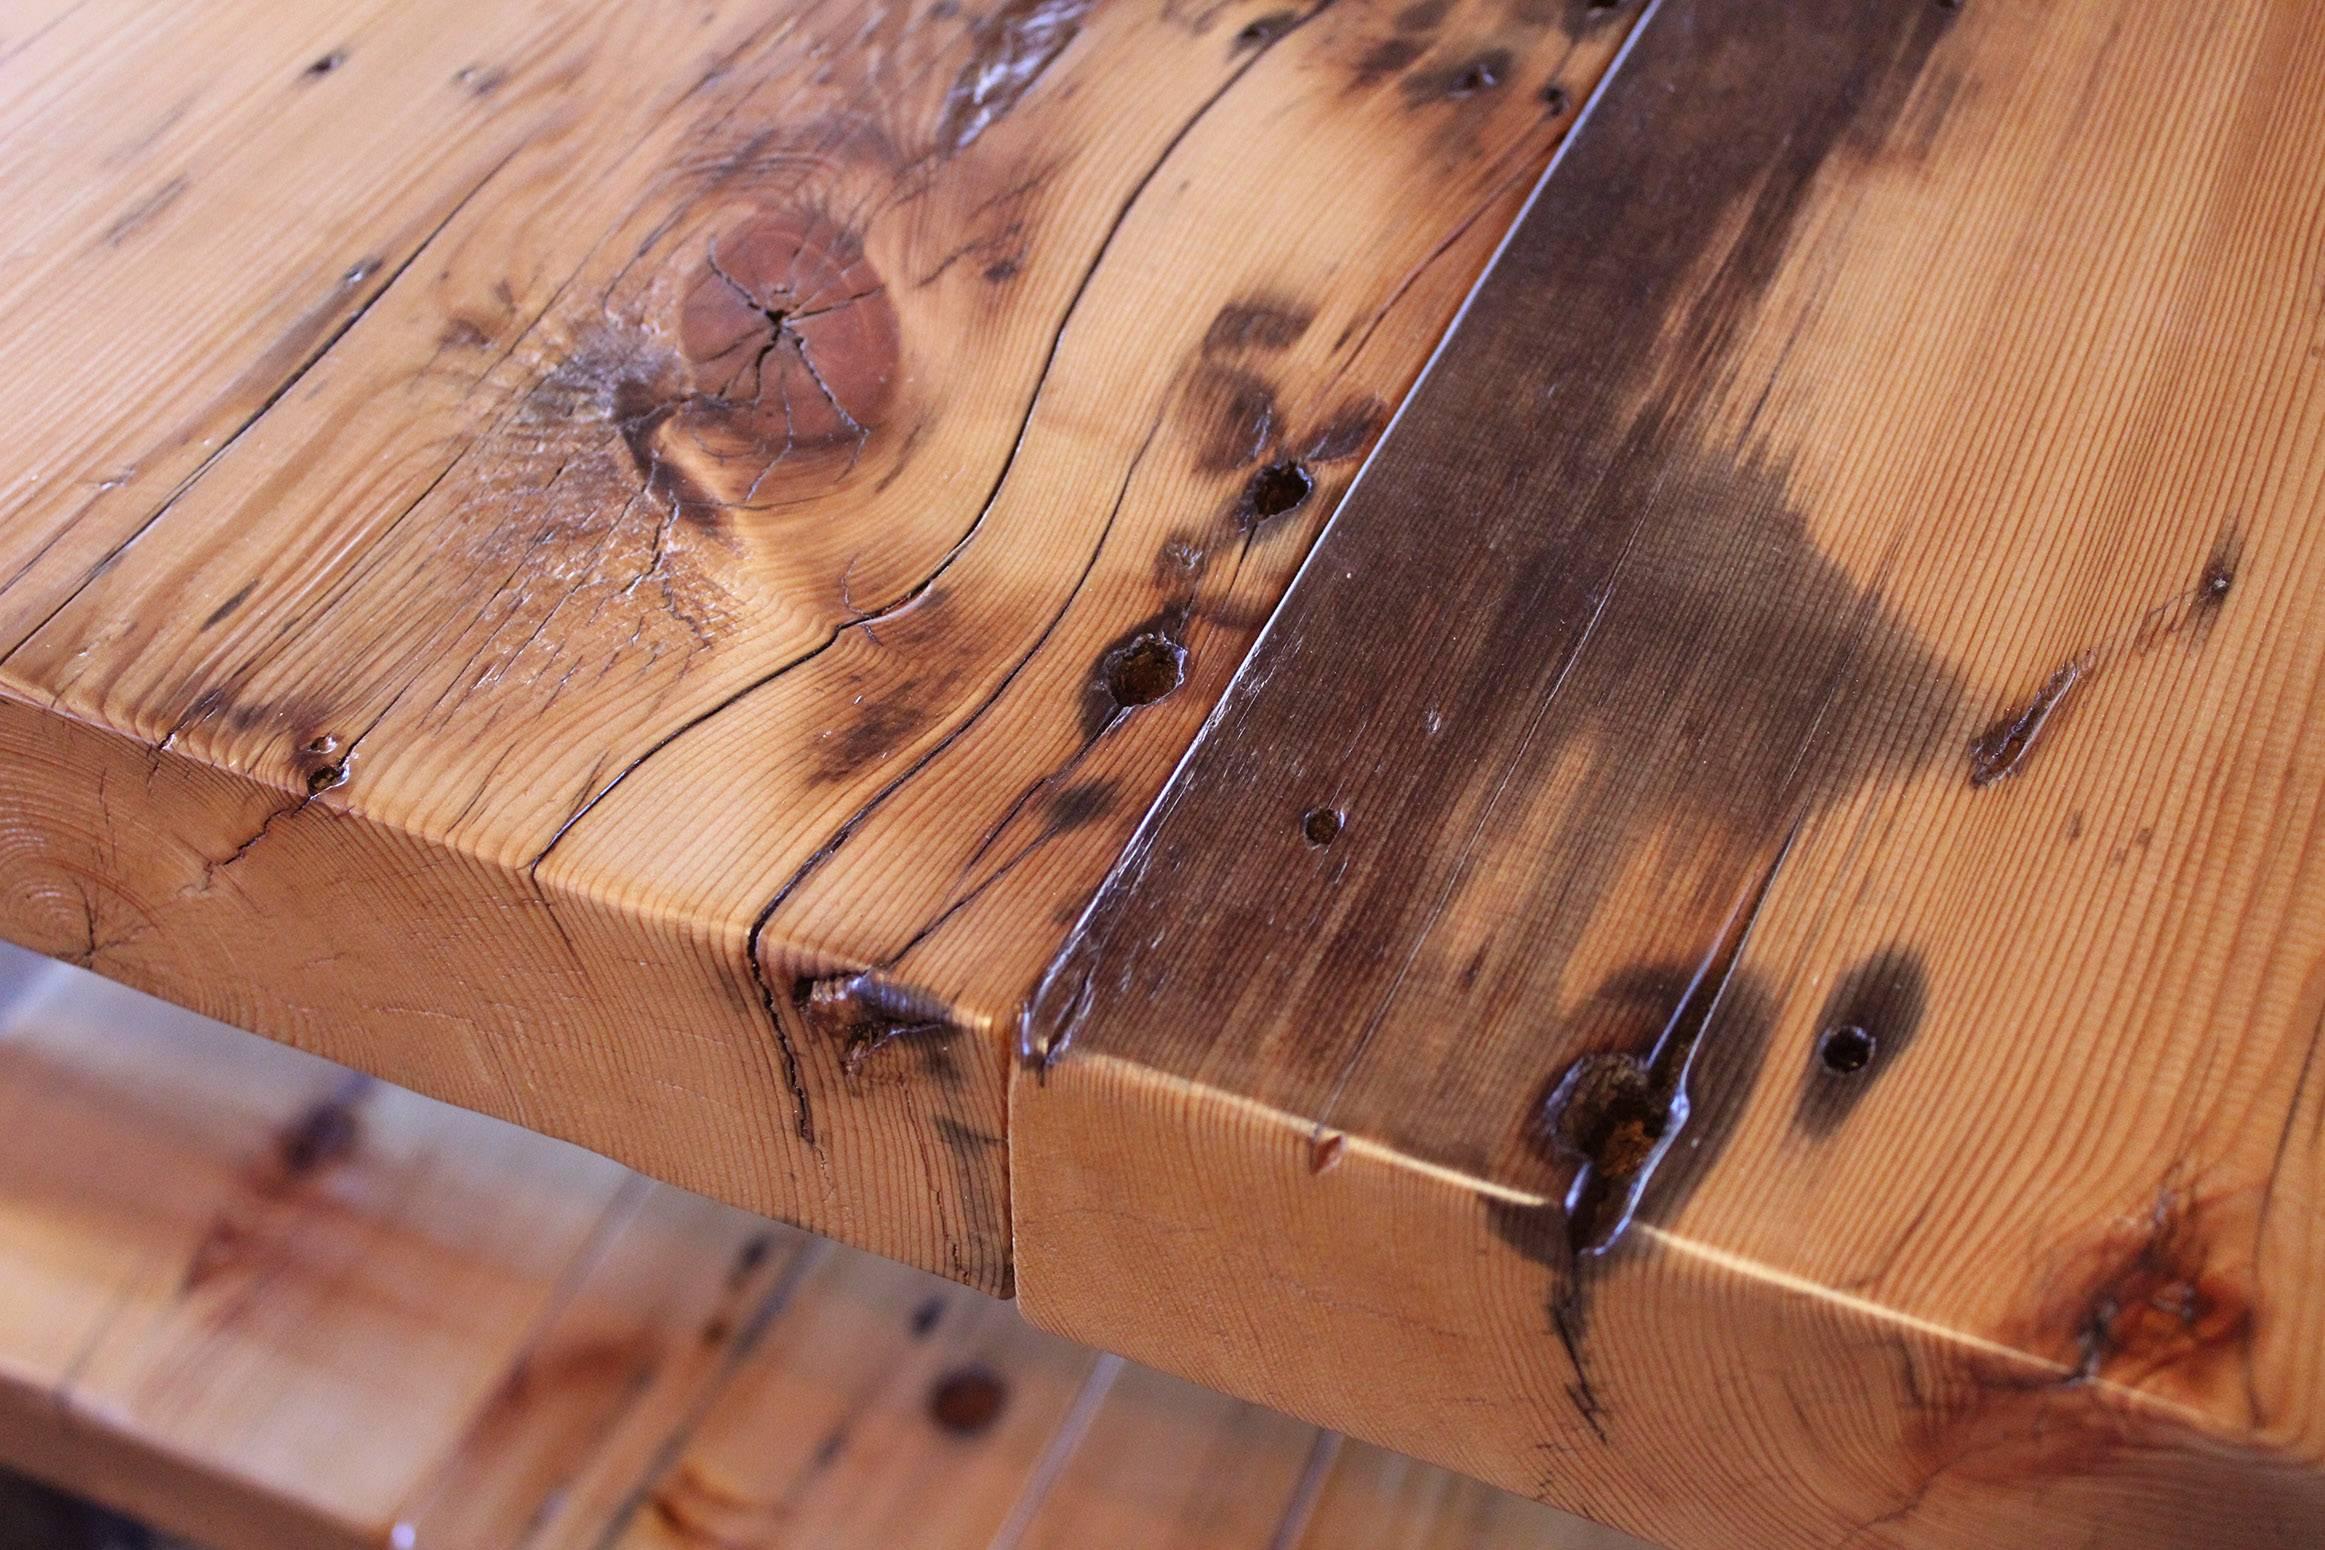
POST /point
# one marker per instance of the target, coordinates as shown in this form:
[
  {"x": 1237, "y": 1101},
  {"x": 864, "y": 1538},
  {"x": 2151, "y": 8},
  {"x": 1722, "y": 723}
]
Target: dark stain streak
[
  {"x": 1081, "y": 804},
  {"x": 146, "y": 211},
  {"x": 967, "y": 1401},
  {"x": 1536, "y": 1233},
  {"x": 326, "y": 1134},
  {"x": 1263, "y": 30},
  {"x": 1385, "y": 59},
  {"x": 2220, "y": 570},
  {"x": 2004, "y": 747},
  {"x": 1423, "y": 16},
  {"x": 1465, "y": 78},
  {"x": 1013, "y": 46},
  {"x": 872, "y": 738},
  {"x": 1350, "y": 431},
  {"x": 219, "y": 615},
  {"x": 1618, "y": 1113},
  {"x": 1867, "y": 1024}
]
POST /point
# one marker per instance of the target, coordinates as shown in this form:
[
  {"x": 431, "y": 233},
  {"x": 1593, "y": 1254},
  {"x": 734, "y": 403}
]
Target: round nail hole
[
  {"x": 1144, "y": 669},
  {"x": 1278, "y": 488},
  {"x": 1320, "y": 826},
  {"x": 1846, "y": 1050}
]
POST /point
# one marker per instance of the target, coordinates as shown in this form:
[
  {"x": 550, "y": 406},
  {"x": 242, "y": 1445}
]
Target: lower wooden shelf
[{"x": 260, "y": 1301}]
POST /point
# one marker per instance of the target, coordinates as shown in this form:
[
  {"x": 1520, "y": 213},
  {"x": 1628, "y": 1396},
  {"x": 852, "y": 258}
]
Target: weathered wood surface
[
  {"x": 1746, "y": 953},
  {"x": 631, "y": 565},
  {"x": 265, "y": 1303}
]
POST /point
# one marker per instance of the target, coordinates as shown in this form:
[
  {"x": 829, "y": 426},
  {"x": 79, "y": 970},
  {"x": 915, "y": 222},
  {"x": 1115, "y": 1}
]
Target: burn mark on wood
[
  {"x": 1349, "y": 432},
  {"x": 968, "y": 1400},
  {"x": 878, "y": 730},
  {"x": 1081, "y": 804},
  {"x": 1263, "y": 326},
  {"x": 1235, "y": 412},
  {"x": 2009, "y": 740},
  {"x": 1867, "y": 1024},
  {"x": 1012, "y": 47}
]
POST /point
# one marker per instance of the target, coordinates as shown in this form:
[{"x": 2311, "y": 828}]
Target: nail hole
[
  {"x": 967, "y": 1400},
  {"x": 925, "y": 1316},
  {"x": 1320, "y": 826},
  {"x": 1278, "y": 488},
  {"x": 1555, "y": 99},
  {"x": 1846, "y": 1050},
  {"x": 328, "y": 63},
  {"x": 1144, "y": 669}
]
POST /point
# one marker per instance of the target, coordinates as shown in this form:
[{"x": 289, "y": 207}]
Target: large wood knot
[{"x": 790, "y": 352}]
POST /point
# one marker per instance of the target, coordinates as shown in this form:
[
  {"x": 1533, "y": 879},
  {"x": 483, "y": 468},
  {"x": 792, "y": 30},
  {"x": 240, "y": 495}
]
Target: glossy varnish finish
[
  {"x": 656, "y": 552},
  {"x": 1747, "y": 929}
]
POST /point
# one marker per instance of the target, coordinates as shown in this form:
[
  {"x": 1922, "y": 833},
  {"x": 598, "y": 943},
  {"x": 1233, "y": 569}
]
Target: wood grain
[
  {"x": 663, "y": 548},
  {"x": 264, "y": 1302},
  {"x": 1746, "y": 933}
]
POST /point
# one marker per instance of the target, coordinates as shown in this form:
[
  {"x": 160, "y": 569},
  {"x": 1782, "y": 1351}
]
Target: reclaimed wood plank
[
  {"x": 262, "y": 1302},
  {"x": 1747, "y": 931},
  {"x": 674, "y": 542}
]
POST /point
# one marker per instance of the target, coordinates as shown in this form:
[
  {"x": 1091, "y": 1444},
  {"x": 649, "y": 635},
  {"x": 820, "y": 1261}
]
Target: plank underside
[
  {"x": 1738, "y": 951},
  {"x": 265, "y": 1302}
]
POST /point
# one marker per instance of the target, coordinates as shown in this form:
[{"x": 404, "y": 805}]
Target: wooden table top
[{"x": 782, "y": 590}]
